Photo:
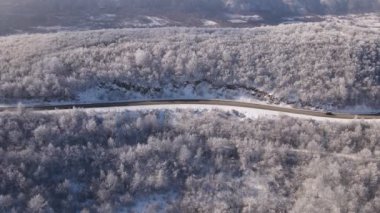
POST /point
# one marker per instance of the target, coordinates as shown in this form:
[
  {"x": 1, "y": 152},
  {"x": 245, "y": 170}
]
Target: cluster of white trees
[
  {"x": 211, "y": 160},
  {"x": 312, "y": 64}
]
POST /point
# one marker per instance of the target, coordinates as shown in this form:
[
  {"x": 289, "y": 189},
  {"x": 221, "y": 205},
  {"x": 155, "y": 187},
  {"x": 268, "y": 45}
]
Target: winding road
[{"x": 197, "y": 102}]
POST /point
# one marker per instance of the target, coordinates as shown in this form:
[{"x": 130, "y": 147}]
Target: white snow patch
[
  {"x": 237, "y": 21},
  {"x": 156, "y": 21},
  {"x": 209, "y": 23},
  {"x": 241, "y": 19}
]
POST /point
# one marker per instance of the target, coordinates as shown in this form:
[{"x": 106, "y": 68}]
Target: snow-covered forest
[
  {"x": 310, "y": 59},
  {"x": 332, "y": 63},
  {"x": 184, "y": 161}
]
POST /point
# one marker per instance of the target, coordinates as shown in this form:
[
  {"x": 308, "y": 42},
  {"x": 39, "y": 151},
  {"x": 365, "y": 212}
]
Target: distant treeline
[{"x": 273, "y": 7}]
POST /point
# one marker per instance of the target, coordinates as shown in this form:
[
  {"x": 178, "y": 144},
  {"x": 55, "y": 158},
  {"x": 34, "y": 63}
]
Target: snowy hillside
[{"x": 333, "y": 63}]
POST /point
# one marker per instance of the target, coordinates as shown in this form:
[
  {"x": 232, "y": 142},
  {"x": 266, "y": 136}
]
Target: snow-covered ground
[
  {"x": 112, "y": 93},
  {"x": 152, "y": 203},
  {"x": 243, "y": 112},
  {"x": 209, "y": 23},
  {"x": 234, "y": 18},
  {"x": 202, "y": 91},
  {"x": 146, "y": 22}
]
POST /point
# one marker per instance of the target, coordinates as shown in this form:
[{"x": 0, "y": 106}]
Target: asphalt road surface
[{"x": 197, "y": 102}]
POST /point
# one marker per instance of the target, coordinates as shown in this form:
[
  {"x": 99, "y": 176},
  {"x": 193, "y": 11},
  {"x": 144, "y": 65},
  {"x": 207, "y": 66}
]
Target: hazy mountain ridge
[
  {"x": 31, "y": 15},
  {"x": 211, "y": 6}
]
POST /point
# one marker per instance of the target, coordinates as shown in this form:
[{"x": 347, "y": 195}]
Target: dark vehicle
[{"x": 329, "y": 113}]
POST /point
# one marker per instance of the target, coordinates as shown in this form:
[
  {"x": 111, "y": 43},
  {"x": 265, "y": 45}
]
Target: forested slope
[
  {"x": 318, "y": 64},
  {"x": 186, "y": 161}
]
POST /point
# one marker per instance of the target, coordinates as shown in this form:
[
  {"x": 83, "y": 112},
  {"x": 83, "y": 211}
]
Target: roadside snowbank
[{"x": 241, "y": 111}]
